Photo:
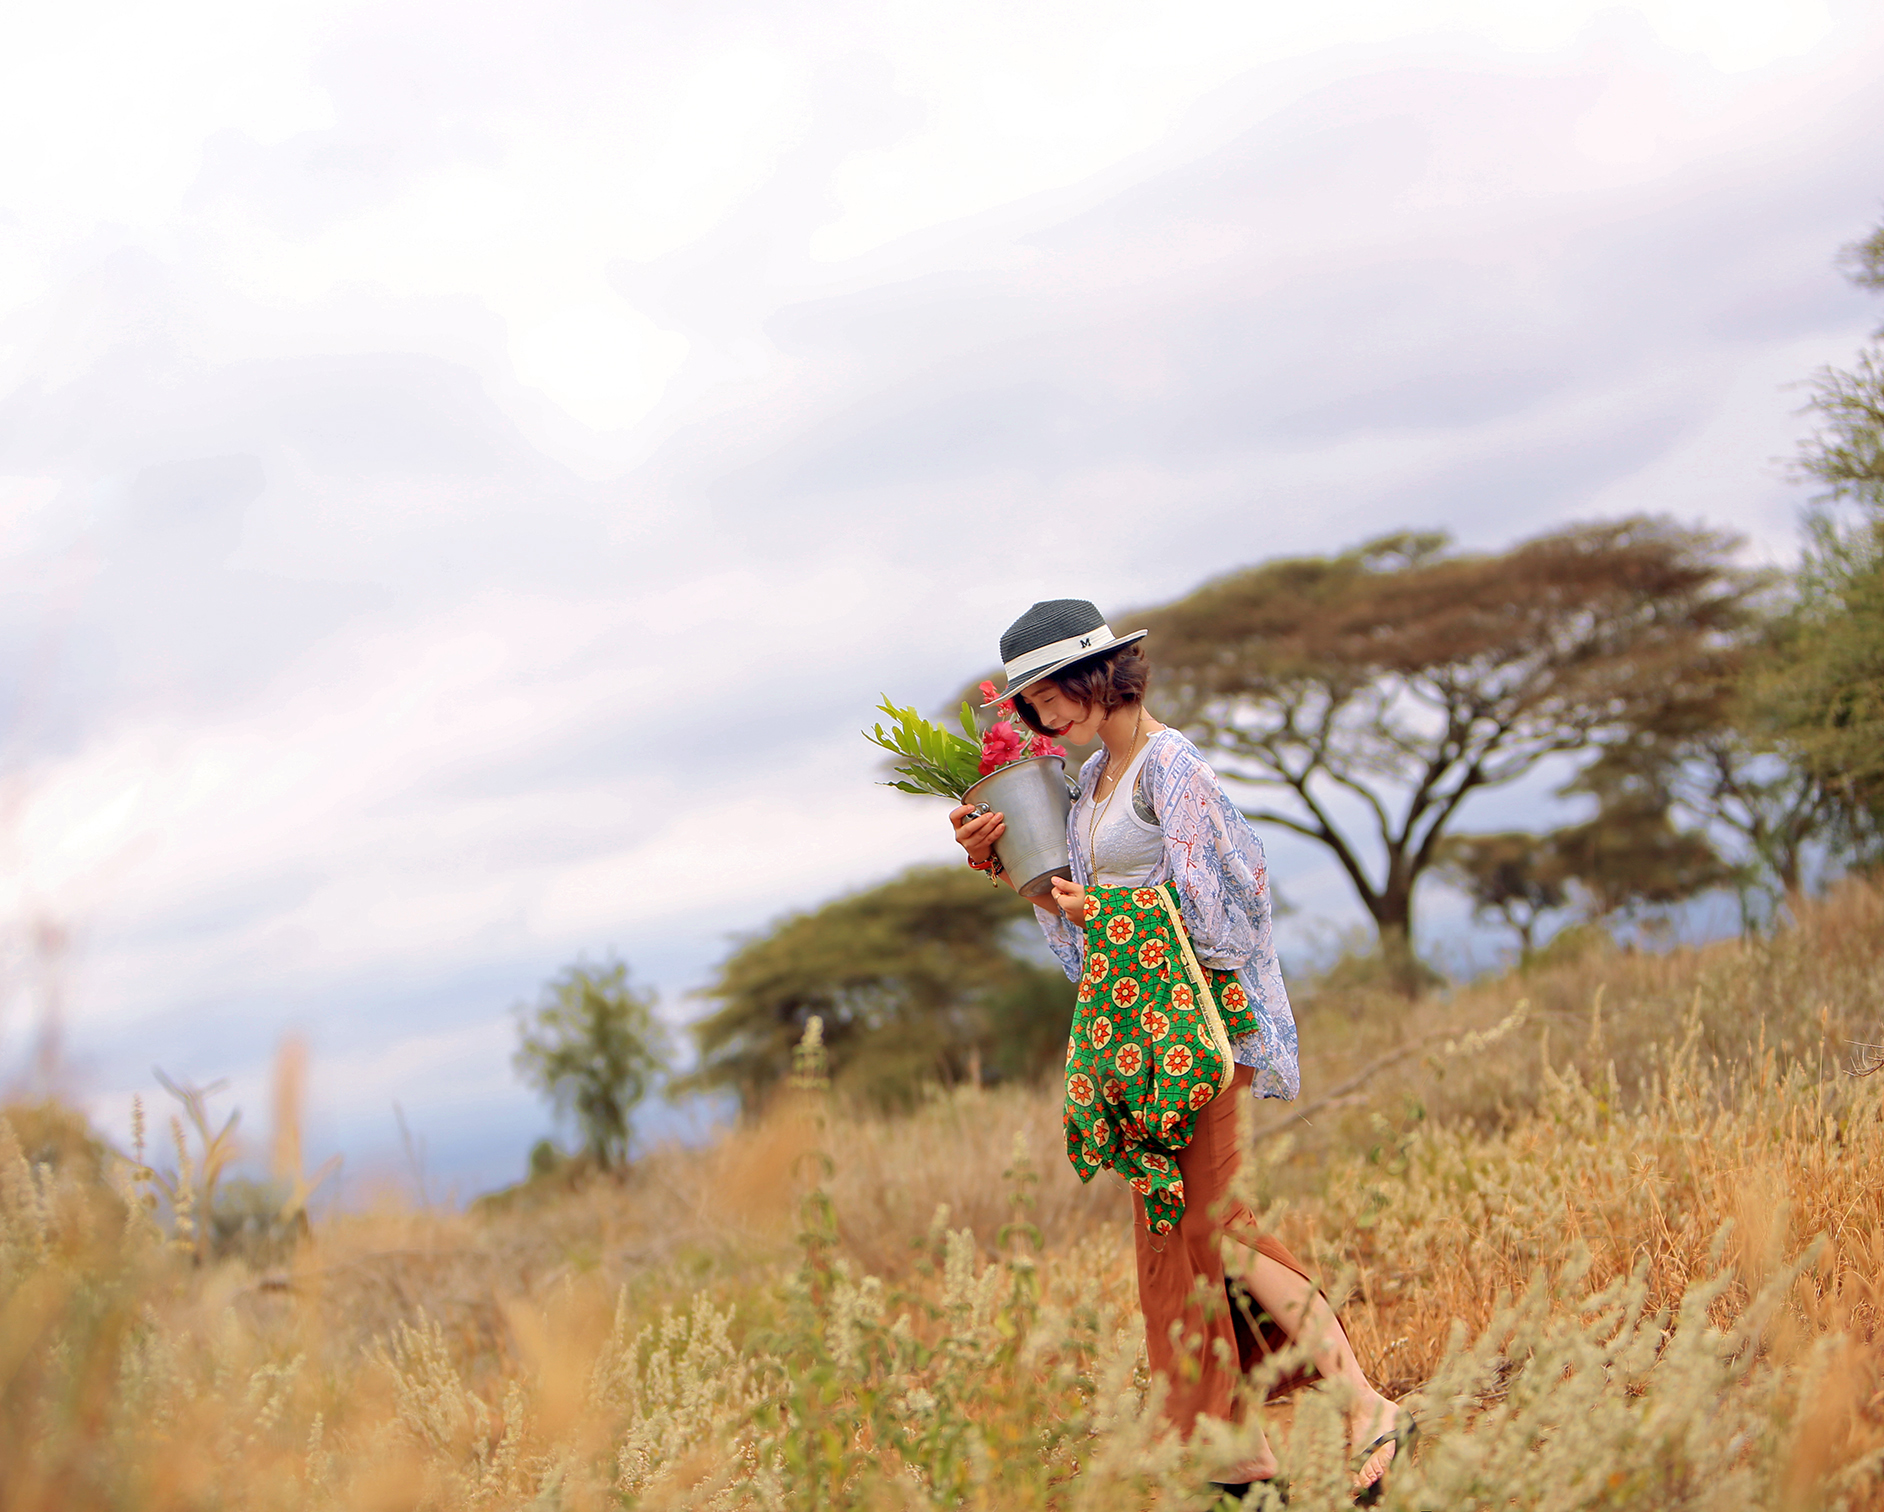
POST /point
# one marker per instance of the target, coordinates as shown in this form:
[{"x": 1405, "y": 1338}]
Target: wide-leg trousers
[{"x": 1198, "y": 1338}]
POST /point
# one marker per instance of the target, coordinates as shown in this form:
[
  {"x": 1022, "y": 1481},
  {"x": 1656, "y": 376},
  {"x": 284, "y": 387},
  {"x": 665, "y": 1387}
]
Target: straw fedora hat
[{"x": 1050, "y": 637}]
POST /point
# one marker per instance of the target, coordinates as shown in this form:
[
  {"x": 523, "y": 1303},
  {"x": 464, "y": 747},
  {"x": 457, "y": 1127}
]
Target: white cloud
[
  {"x": 603, "y": 363},
  {"x": 1738, "y": 35}
]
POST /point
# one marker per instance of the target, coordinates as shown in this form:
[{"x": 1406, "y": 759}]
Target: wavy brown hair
[{"x": 1111, "y": 680}]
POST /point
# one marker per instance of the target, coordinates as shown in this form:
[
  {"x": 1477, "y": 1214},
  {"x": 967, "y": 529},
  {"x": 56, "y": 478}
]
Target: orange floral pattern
[{"x": 1142, "y": 1059}]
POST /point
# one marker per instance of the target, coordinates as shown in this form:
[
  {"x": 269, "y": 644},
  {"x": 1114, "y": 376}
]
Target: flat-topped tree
[{"x": 1396, "y": 680}]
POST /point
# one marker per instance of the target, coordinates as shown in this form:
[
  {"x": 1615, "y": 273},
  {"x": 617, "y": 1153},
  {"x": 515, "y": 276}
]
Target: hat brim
[{"x": 1042, "y": 674}]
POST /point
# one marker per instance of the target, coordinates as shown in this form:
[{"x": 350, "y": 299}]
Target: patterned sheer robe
[{"x": 1214, "y": 862}]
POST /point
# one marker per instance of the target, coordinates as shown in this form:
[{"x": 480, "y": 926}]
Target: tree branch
[
  {"x": 1341, "y": 1089},
  {"x": 1334, "y": 839}
]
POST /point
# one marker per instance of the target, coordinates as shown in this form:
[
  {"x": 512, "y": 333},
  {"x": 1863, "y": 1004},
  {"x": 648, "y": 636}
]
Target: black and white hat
[{"x": 1051, "y": 636}]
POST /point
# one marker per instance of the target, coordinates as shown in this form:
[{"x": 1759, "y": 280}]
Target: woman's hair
[{"x": 1111, "y": 681}]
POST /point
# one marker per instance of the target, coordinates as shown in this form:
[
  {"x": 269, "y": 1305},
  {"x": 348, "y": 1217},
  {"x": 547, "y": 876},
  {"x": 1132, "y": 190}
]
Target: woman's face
[{"x": 1072, "y": 722}]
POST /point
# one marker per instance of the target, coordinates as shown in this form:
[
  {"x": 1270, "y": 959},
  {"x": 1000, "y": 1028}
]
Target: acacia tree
[
  {"x": 1826, "y": 685},
  {"x": 1398, "y": 679},
  {"x": 1796, "y": 764},
  {"x": 915, "y": 984},
  {"x": 1846, "y": 454},
  {"x": 1628, "y": 859},
  {"x": 593, "y": 1045},
  {"x": 1716, "y": 752},
  {"x": 1513, "y": 876}
]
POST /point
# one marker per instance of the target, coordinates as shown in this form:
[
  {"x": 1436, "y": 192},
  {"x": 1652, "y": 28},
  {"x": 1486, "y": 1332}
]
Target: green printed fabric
[{"x": 1150, "y": 1045}]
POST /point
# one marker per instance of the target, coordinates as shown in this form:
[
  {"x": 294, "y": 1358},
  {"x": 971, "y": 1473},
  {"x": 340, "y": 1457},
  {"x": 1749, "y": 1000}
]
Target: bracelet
[{"x": 991, "y": 864}]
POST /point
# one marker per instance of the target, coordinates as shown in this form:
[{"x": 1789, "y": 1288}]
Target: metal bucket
[{"x": 1031, "y": 795}]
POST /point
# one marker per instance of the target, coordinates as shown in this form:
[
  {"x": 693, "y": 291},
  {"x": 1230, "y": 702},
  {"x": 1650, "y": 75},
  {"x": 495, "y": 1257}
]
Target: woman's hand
[
  {"x": 977, "y": 835},
  {"x": 1070, "y": 898}
]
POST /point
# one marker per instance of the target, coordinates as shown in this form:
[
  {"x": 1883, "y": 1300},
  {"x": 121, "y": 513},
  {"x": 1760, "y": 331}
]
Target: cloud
[{"x": 1414, "y": 359}]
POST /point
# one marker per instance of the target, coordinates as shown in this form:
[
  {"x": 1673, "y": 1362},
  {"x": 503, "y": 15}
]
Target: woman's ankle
[
  {"x": 1371, "y": 1416},
  {"x": 1256, "y": 1468}
]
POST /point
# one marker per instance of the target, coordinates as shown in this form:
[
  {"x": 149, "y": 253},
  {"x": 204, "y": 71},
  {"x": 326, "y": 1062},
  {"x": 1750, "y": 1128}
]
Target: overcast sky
[{"x": 468, "y": 471}]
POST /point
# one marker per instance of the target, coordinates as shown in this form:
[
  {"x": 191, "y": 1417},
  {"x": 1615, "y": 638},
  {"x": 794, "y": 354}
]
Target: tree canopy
[
  {"x": 1396, "y": 680},
  {"x": 1716, "y": 753},
  {"x": 1513, "y": 875},
  {"x": 1825, "y": 689},
  {"x": 1629, "y": 859},
  {"x": 918, "y": 981},
  {"x": 1846, "y": 453}
]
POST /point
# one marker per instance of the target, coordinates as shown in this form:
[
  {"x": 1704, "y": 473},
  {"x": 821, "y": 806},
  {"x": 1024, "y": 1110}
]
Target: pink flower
[
  {"x": 1000, "y": 745},
  {"x": 1041, "y": 746},
  {"x": 987, "y": 697}
]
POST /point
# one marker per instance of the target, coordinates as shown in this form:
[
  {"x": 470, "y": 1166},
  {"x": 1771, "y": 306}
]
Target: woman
[{"x": 1151, "y": 823}]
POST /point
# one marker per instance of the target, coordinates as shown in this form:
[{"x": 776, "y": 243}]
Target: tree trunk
[
  {"x": 1786, "y": 866},
  {"x": 1392, "y": 908}
]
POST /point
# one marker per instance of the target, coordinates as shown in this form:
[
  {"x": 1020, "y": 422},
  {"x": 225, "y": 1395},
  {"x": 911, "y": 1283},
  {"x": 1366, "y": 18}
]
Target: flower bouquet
[
  {"x": 940, "y": 762},
  {"x": 1006, "y": 767}
]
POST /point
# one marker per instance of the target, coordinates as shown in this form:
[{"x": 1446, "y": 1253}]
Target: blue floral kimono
[{"x": 1215, "y": 863}]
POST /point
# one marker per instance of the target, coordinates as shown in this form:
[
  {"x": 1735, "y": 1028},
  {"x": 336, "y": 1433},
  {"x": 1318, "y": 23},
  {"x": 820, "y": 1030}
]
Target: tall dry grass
[{"x": 1622, "y": 1250}]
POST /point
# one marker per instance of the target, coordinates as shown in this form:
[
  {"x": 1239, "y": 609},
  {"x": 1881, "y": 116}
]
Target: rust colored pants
[{"x": 1181, "y": 1279}]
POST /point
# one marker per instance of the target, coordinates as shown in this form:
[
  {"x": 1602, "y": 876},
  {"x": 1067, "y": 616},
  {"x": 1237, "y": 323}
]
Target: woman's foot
[{"x": 1372, "y": 1422}]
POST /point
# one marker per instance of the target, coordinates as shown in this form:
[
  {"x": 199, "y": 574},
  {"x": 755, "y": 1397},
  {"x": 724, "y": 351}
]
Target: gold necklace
[{"x": 1098, "y": 810}]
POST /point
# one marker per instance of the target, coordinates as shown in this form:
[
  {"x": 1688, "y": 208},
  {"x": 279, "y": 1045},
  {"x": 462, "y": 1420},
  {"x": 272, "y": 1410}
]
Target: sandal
[
  {"x": 1405, "y": 1430},
  {"x": 1238, "y": 1491}
]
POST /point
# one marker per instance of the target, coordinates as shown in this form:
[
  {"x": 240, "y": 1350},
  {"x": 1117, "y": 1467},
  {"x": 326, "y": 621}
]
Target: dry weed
[{"x": 1624, "y": 1253}]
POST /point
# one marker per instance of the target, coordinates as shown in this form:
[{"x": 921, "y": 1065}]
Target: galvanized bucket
[{"x": 1032, "y": 796}]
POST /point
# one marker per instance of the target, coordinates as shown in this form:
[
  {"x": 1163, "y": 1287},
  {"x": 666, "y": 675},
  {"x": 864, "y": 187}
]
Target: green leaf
[{"x": 936, "y": 761}]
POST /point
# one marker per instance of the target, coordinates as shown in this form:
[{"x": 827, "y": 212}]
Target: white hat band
[{"x": 1019, "y": 669}]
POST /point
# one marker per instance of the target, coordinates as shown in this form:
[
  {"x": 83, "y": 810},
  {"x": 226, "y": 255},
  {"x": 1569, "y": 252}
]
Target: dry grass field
[{"x": 1615, "y": 1227}]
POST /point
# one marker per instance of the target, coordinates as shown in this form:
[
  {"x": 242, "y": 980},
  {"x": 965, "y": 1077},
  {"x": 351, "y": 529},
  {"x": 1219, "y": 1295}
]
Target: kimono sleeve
[
  {"x": 1067, "y": 943},
  {"x": 1216, "y": 862}
]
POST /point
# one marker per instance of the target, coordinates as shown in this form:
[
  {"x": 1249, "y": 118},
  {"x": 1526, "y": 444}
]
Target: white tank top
[{"x": 1124, "y": 850}]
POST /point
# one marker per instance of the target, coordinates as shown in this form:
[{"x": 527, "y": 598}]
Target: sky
[{"x": 468, "y": 473}]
